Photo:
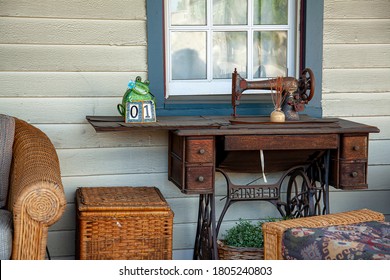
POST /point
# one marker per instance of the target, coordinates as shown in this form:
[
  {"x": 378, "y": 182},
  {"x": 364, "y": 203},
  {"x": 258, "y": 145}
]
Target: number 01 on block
[{"x": 140, "y": 111}]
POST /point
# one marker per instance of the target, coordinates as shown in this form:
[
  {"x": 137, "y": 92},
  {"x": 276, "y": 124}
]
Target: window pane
[
  {"x": 188, "y": 52},
  {"x": 270, "y": 12},
  {"x": 230, "y": 12},
  {"x": 229, "y": 52},
  {"x": 269, "y": 54},
  {"x": 188, "y": 12}
]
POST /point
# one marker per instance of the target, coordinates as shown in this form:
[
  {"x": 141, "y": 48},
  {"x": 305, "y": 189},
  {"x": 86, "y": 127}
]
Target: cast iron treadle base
[
  {"x": 205, "y": 241},
  {"x": 307, "y": 190}
]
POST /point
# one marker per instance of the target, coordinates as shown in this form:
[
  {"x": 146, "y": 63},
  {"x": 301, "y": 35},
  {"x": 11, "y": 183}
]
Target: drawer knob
[
  {"x": 356, "y": 148},
  {"x": 200, "y": 178},
  {"x": 354, "y": 174},
  {"x": 201, "y": 151}
]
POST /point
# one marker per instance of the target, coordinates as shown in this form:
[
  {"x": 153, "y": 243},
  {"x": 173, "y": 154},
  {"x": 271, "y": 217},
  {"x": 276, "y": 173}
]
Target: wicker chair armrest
[
  {"x": 273, "y": 231},
  {"x": 36, "y": 195}
]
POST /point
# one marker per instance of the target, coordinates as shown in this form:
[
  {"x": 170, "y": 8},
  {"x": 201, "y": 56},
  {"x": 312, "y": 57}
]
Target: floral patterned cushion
[{"x": 361, "y": 241}]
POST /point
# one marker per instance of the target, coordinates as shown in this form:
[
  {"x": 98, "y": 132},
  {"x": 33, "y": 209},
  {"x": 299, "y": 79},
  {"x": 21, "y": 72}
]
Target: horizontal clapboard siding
[
  {"x": 357, "y": 31},
  {"x": 368, "y": 80},
  {"x": 72, "y": 58},
  {"x": 370, "y": 55},
  {"x": 356, "y": 104},
  {"x": 357, "y": 9},
  {"x": 62, "y": 60},
  {"x": 73, "y": 32},
  {"x": 66, "y": 84},
  {"x": 60, "y": 110},
  {"x": 356, "y": 86},
  {"x": 75, "y": 9}
]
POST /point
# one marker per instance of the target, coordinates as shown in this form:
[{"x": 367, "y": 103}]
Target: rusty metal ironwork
[
  {"x": 307, "y": 190},
  {"x": 205, "y": 245},
  {"x": 303, "y": 92}
]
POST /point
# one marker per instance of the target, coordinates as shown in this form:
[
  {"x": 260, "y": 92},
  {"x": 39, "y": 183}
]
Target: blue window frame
[{"x": 311, "y": 56}]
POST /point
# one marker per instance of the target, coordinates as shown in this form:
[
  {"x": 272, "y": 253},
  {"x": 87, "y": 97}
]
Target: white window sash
[{"x": 223, "y": 86}]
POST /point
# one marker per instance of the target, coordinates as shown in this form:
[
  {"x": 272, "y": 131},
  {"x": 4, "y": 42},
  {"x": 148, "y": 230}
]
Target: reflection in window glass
[
  {"x": 269, "y": 54},
  {"x": 207, "y": 39},
  {"x": 188, "y": 54},
  {"x": 270, "y": 12},
  {"x": 230, "y": 12},
  {"x": 185, "y": 12},
  {"x": 229, "y": 52}
]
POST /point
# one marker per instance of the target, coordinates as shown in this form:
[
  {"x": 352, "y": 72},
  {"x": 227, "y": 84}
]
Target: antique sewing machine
[{"x": 298, "y": 92}]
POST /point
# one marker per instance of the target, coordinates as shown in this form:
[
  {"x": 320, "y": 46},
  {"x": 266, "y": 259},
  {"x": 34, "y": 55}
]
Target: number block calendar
[{"x": 140, "y": 111}]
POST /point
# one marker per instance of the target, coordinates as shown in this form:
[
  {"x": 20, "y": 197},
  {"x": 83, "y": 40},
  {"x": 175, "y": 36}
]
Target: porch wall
[
  {"x": 356, "y": 86},
  {"x": 62, "y": 60}
]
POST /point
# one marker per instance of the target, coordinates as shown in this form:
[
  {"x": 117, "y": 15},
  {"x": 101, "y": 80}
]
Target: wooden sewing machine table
[{"x": 311, "y": 153}]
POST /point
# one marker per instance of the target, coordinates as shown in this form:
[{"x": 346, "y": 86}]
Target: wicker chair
[
  {"x": 273, "y": 231},
  {"x": 36, "y": 195}
]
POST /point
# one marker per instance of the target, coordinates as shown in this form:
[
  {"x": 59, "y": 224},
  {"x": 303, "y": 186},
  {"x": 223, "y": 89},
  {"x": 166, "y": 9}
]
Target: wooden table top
[{"x": 228, "y": 125}]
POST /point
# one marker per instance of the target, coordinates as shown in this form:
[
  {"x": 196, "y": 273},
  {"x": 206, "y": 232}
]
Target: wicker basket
[
  {"x": 226, "y": 252},
  {"x": 123, "y": 223}
]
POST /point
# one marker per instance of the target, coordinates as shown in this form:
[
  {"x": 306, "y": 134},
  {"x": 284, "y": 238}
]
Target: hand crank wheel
[
  {"x": 307, "y": 83},
  {"x": 298, "y": 189}
]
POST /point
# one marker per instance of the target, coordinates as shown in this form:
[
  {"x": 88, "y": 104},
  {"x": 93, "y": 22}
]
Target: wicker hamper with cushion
[
  {"x": 274, "y": 231},
  {"x": 123, "y": 223}
]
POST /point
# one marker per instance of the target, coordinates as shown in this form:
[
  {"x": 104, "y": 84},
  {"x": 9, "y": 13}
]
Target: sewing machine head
[{"x": 303, "y": 89}]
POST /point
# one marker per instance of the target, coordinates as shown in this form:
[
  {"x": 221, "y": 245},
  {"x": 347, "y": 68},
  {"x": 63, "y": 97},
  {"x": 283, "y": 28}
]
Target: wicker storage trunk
[{"x": 123, "y": 223}]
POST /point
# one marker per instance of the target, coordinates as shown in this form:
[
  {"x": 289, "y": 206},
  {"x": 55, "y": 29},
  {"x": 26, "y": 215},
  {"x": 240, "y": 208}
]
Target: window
[
  {"x": 205, "y": 40},
  {"x": 310, "y": 49}
]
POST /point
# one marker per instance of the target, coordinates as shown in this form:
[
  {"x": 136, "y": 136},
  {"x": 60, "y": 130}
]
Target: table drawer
[
  {"x": 199, "y": 179},
  {"x": 353, "y": 175},
  {"x": 199, "y": 150},
  {"x": 354, "y": 147},
  {"x": 281, "y": 142}
]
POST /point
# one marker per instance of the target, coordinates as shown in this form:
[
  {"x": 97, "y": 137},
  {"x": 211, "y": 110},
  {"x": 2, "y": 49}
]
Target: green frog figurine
[{"x": 136, "y": 91}]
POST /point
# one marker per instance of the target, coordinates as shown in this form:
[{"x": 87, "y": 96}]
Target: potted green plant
[{"x": 243, "y": 241}]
